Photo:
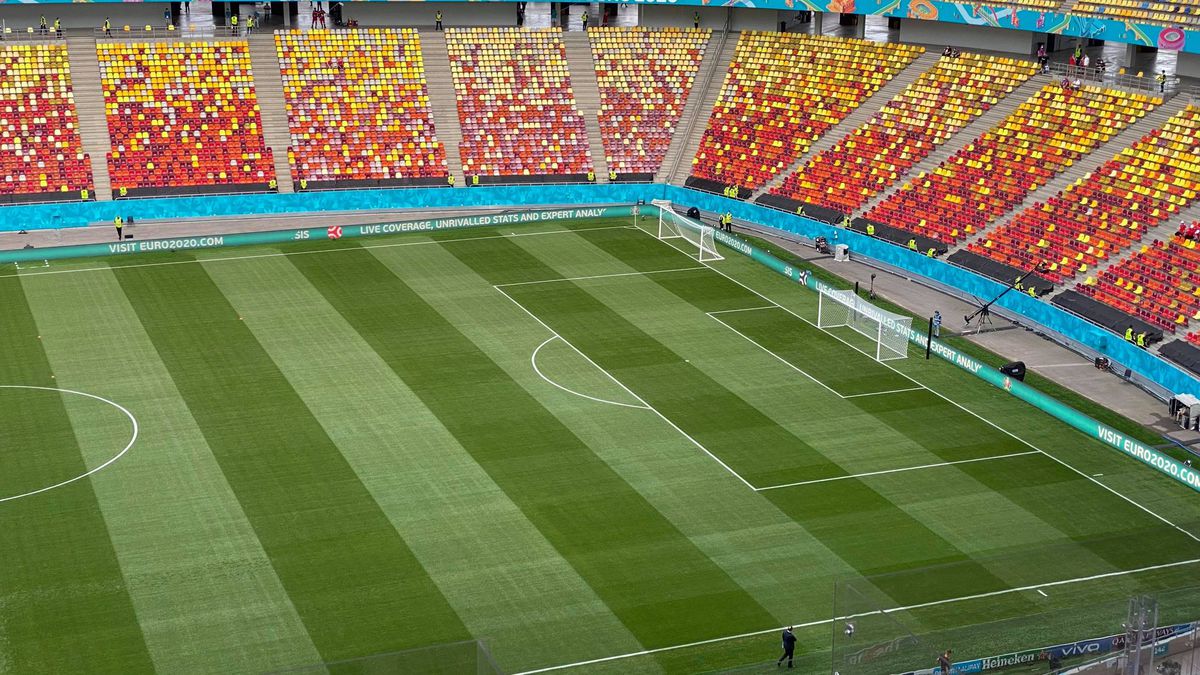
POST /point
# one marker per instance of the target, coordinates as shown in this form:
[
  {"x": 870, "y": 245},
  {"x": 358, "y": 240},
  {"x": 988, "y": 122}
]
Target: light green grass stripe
[
  {"x": 353, "y": 581},
  {"x": 205, "y": 593},
  {"x": 764, "y": 551},
  {"x": 651, "y": 576},
  {"x": 440, "y": 500},
  {"x": 64, "y": 605}
]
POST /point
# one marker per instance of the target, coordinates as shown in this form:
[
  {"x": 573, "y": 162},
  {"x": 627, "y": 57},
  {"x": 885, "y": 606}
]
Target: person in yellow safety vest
[
  {"x": 249, "y": 24},
  {"x": 931, "y": 252},
  {"x": 233, "y": 22},
  {"x": 612, "y": 176},
  {"x": 584, "y": 18},
  {"x": 727, "y": 222},
  {"x": 123, "y": 191},
  {"x": 912, "y": 244},
  {"x": 273, "y": 184},
  {"x": 591, "y": 176},
  {"x": 303, "y": 183},
  {"x": 437, "y": 18},
  {"x": 800, "y": 210},
  {"x": 84, "y": 194},
  {"x": 1129, "y": 334},
  {"x": 107, "y": 27},
  {"x": 1141, "y": 339},
  {"x": 1032, "y": 292},
  {"x": 475, "y": 179},
  {"x": 1017, "y": 284},
  {"x": 42, "y": 26},
  {"x": 870, "y": 229},
  {"x": 119, "y": 224},
  {"x": 695, "y": 19},
  {"x": 450, "y": 180}
]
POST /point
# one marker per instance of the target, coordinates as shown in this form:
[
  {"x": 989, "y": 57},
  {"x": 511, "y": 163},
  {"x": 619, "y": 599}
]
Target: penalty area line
[
  {"x": 900, "y": 470},
  {"x": 601, "y": 276},
  {"x": 892, "y": 610}
]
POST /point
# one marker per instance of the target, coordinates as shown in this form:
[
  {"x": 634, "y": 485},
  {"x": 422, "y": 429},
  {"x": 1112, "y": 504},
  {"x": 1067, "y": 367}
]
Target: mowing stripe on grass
[
  {"x": 191, "y": 560},
  {"x": 353, "y": 580},
  {"x": 708, "y": 412},
  {"x": 644, "y": 569},
  {"x": 65, "y": 605},
  {"x": 440, "y": 500}
]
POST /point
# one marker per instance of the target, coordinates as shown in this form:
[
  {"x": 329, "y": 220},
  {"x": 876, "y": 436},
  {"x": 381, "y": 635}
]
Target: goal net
[
  {"x": 888, "y": 331},
  {"x": 671, "y": 225}
]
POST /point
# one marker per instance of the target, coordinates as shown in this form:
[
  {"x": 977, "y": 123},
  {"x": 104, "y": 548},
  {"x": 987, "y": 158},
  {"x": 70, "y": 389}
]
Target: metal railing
[
  {"x": 700, "y": 91},
  {"x": 128, "y": 32},
  {"x": 1115, "y": 78},
  {"x": 29, "y": 34}
]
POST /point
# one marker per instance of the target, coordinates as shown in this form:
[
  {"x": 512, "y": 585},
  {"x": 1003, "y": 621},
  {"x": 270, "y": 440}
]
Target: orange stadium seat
[
  {"x": 515, "y": 104},
  {"x": 910, "y": 127},
  {"x": 184, "y": 116},
  {"x": 995, "y": 172},
  {"x": 645, "y": 76},
  {"x": 41, "y": 155},
  {"x": 1159, "y": 283},
  {"x": 358, "y": 107},
  {"x": 781, "y": 93},
  {"x": 1182, "y": 13},
  {"x": 1111, "y": 208}
]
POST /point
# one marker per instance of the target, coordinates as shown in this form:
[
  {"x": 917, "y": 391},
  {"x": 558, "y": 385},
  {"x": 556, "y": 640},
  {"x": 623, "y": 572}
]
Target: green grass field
[{"x": 571, "y": 440}]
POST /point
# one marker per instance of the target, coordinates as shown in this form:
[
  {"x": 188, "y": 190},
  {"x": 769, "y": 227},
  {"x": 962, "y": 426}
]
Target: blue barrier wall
[{"x": 39, "y": 216}]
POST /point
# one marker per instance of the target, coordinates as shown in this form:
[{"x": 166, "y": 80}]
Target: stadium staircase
[
  {"x": 1005, "y": 107},
  {"x": 857, "y": 118},
  {"x": 1088, "y": 163},
  {"x": 442, "y": 98},
  {"x": 89, "y": 107},
  {"x": 268, "y": 87},
  {"x": 677, "y": 164},
  {"x": 587, "y": 96}
]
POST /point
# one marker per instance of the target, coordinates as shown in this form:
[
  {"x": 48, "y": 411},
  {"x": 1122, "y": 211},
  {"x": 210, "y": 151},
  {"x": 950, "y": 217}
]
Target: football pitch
[{"x": 570, "y": 440}]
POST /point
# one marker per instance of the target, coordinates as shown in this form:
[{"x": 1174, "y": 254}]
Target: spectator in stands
[
  {"x": 437, "y": 20},
  {"x": 1043, "y": 59},
  {"x": 107, "y": 27},
  {"x": 948, "y": 51},
  {"x": 167, "y": 16},
  {"x": 1086, "y": 61},
  {"x": 1071, "y": 61}
]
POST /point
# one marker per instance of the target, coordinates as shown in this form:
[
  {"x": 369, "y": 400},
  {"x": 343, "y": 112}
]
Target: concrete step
[
  {"x": 677, "y": 163},
  {"x": 582, "y": 66},
  {"x": 89, "y": 109},
  {"x": 1088, "y": 163},
  {"x": 442, "y": 99},
  {"x": 1003, "y": 108},
  {"x": 268, "y": 87},
  {"x": 859, "y": 116}
]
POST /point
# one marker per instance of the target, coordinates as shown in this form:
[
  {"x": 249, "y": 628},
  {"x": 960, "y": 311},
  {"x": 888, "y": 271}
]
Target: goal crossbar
[
  {"x": 887, "y": 330},
  {"x": 672, "y": 225}
]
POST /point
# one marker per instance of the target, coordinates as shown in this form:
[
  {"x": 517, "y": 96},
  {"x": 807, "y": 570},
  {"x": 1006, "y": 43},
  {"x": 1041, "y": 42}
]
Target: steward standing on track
[
  {"x": 437, "y": 18},
  {"x": 119, "y": 225}
]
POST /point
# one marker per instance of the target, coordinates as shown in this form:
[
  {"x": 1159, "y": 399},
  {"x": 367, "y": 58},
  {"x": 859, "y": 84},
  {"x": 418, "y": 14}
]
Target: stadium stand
[
  {"x": 1159, "y": 283},
  {"x": 1185, "y": 13},
  {"x": 41, "y": 154},
  {"x": 358, "y": 109},
  {"x": 516, "y": 106},
  {"x": 645, "y": 76},
  {"x": 183, "y": 118},
  {"x": 1106, "y": 211},
  {"x": 989, "y": 176},
  {"x": 907, "y": 129},
  {"x": 781, "y": 93}
]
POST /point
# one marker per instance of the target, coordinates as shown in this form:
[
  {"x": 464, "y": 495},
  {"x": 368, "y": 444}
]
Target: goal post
[
  {"x": 888, "y": 331},
  {"x": 672, "y": 225}
]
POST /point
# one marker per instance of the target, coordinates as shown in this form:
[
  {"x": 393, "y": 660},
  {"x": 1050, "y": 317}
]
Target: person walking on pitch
[{"x": 789, "y": 647}]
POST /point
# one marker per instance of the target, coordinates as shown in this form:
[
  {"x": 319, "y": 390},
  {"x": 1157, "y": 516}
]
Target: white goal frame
[
  {"x": 671, "y": 225},
  {"x": 888, "y": 331}
]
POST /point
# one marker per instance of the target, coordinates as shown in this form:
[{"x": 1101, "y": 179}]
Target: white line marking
[
  {"x": 741, "y": 309},
  {"x": 900, "y": 470},
  {"x": 779, "y": 358},
  {"x": 132, "y": 439},
  {"x": 947, "y": 399},
  {"x": 323, "y": 250},
  {"x": 533, "y": 362},
  {"x": 923, "y": 605},
  {"x": 881, "y": 393},
  {"x": 1043, "y": 593},
  {"x": 599, "y": 276},
  {"x": 627, "y": 389}
]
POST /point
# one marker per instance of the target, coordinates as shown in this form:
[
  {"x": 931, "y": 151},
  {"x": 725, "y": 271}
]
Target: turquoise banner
[
  {"x": 308, "y": 234},
  {"x": 1093, "y": 428}
]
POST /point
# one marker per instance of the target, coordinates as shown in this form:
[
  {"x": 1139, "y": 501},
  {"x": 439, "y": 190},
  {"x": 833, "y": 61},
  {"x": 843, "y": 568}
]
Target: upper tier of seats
[
  {"x": 1159, "y": 284},
  {"x": 644, "y": 76},
  {"x": 782, "y": 92},
  {"x": 907, "y": 129},
  {"x": 1186, "y": 13},
  {"x": 515, "y": 103},
  {"x": 183, "y": 115},
  {"x": 41, "y": 155},
  {"x": 1111, "y": 208},
  {"x": 358, "y": 106},
  {"x": 994, "y": 173}
]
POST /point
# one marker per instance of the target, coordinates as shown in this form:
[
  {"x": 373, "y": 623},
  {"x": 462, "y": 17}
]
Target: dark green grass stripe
[
  {"x": 65, "y": 603},
  {"x": 357, "y": 587},
  {"x": 872, "y": 535},
  {"x": 662, "y": 587}
]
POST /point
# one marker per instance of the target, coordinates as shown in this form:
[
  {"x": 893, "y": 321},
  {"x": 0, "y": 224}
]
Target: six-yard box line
[{"x": 1074, "y": 418}]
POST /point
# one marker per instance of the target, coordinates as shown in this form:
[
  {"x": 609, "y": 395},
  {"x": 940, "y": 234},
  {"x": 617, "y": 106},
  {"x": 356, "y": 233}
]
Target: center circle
[{"x": 132, "y": 439}]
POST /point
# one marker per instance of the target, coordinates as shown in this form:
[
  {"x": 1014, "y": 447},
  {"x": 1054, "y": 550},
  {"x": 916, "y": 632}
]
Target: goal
[
  {"x": 671, "y": 225},
  {"x": 888, "y": 331}
]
